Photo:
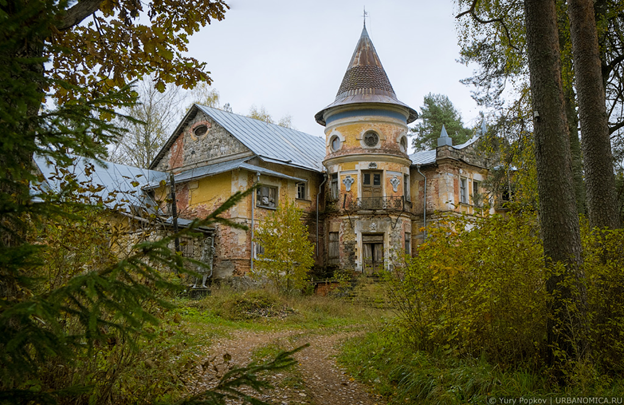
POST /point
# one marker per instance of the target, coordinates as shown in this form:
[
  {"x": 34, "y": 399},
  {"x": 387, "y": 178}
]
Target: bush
[
  {"x": 604, "y": 264},
  {"x": 251, "y": 304},
  {"x": 477, "y": 288},
  {"x": 288, "y": 254}
]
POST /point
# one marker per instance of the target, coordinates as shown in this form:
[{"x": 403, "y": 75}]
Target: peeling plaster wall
[
  {"x": 190, "y": 151},
  {"x": 443, "y": 186}
]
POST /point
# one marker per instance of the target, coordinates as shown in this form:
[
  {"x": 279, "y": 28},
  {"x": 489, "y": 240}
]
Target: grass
[
  {"x": 226, "y": 310},
  {"x": 384, "y": 360}
]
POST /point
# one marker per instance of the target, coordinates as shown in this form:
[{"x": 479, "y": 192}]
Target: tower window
[
  {"x": 335, "y": 143},
  {"x": 406, "y": 187},
  {"x": 403, "y": 144},
  {"x": 371, "y": 139}
]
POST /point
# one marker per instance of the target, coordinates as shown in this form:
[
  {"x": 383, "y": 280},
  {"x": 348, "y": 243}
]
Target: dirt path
[{"x": 316, "y": 380}]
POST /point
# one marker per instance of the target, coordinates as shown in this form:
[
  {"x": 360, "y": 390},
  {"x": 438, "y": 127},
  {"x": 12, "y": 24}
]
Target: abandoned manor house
[{"x": 365, "y": 199}]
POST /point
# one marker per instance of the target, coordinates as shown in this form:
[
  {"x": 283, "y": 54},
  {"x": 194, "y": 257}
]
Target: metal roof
[
  {"x": 423, "y": 158},
  {"x": 285, "y": 145},
  {"x": 429, "y": 156},
  {"x": 211, "y": 170},
  {"x": 365, "y": 81},
  {"x": 467, "y": 143},
  {"x": 121, "y": 184}
]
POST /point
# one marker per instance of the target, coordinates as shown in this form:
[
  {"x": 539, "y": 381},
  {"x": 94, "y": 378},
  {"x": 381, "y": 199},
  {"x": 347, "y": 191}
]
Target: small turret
[{"x": 444, "y": 139}]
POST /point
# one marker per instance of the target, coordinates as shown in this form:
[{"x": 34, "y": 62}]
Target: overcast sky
[{"x": 290, "y": 55}]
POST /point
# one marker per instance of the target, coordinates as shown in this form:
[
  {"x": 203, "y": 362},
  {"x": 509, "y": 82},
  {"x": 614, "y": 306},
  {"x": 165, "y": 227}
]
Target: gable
[
  {"x": 185, "y": 149},
  {"x": 272, "y": 142}
]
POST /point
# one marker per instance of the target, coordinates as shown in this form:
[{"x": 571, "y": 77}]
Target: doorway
[
  {"x": 371, "y": 189},
  {"x": 373, "y": 258}
]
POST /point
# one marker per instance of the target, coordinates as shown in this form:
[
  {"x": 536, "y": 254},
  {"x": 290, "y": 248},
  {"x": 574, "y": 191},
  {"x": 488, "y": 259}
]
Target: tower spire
[{"x": 365, "y": 81}]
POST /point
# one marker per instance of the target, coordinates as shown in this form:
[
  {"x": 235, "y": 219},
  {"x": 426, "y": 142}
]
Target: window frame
[
  {"x": 335, "y": 138},
  {"x": 463, "y": 190},
  {"x": 258, "y": 250},
  {"x": 334, "y": 187},
  {"x": 475, "y": 192},
  {"x": 259, "y": 196},
  {"x": 333, "y": 246},
  {"x": 403, "y": 144},
  {"x": 406, "y": 187},
  {"x": 368, "y": 135},
  {"x": 302, "y": 191},
  {"x": 408, "y": 243}
]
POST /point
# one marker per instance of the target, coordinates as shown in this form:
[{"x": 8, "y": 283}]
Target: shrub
[
  {"x": 604, "y": 265},
  {"x": 288, "y": 254},
  {"x": 477, "y": 287},
  {"x": 251, "y": 304}
]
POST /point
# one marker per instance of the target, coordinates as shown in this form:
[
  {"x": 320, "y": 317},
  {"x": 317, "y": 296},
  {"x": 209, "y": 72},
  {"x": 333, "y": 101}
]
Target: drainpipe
[
  {"x": 424, "y": 204},
  {"x": 212, "y": 250},
  {"x": 253, "y": 205},
  {"x": 174, "y": 212},
  {"x": 317, "y": 212}
]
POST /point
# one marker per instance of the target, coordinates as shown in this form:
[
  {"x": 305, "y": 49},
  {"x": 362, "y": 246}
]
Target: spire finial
[{"x": 364, "y": 16}]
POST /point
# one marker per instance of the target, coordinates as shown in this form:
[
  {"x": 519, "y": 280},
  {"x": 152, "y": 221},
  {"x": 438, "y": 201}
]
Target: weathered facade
[
  {"x": 365, "y": 199},
  {"x": 372, "y": 196}
]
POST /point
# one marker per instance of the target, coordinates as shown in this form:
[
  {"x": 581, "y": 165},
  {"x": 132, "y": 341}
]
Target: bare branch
[
  {"x": 615, "y": 127},
  {"x": 472, "y": 12},
  {"x": 79, "y": 12}
]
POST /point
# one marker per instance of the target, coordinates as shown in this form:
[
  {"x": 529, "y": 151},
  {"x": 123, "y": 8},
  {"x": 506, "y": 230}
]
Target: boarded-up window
[
  {"x": 188, "y": 247},
  {"x": 333, "y": 246},
  {"x": 266, "y": 197},
  {"x": 408, "y": 243}
]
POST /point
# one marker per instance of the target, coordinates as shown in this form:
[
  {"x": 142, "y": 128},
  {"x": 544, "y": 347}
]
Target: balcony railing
[{"x": 377, "y": 203}]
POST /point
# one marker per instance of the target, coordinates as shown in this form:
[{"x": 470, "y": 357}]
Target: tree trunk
[
  {"x": 600, "y": 179},
  {"x": 575, "y": 149},
  {"x": 558, "y": 218}
]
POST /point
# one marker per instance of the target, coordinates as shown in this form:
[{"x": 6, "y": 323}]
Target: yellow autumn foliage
[{"x": 477, "y": 287}]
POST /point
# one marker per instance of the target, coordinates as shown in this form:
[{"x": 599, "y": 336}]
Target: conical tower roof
[{"x": 365, "y": 81}]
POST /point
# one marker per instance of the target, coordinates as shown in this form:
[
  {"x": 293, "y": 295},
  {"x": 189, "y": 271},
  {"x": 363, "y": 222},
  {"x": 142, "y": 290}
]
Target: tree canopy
[
  {"x": 436, "y": 112},
  {"x": 107, "y": 44},
  {"x": 263, "y": 115}
]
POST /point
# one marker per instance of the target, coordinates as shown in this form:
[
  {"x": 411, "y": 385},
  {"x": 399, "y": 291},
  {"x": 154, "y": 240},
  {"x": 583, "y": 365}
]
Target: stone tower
[{"x": 367, "y": 165}]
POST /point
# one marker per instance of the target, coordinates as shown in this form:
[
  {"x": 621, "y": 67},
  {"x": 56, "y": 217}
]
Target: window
[
  {"x": 266, "y": 197},
  {"x": 334, "y": 186},
  {"x": 403, "y": 144},
  {"x": 406, "y": 187},
  {"x": 371, "y": 139},
  {"x": 463, "y": 191},
  {"x": 301, "y": 191},
  {"x": 335, "y": 143},
  {"x": 258, "y": 249},
  {"x": 200, "y": 130},
  {"x": 408, "y": 243},
  {"x": 333, "y": 252},
  {"x": 371, "y": 190},
  {"x": 188, "y": 247},
  {"x": 476, "y": 195}
]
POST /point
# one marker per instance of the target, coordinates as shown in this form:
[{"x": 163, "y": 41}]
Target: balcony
[{"x": 377, "y": 203}]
